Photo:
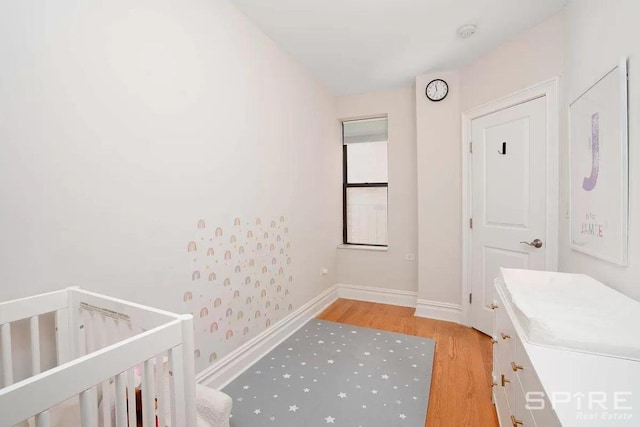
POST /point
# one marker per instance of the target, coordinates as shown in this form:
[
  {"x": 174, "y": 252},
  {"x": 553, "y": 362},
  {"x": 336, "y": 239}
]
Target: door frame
[{"x": 550, "y": 90}]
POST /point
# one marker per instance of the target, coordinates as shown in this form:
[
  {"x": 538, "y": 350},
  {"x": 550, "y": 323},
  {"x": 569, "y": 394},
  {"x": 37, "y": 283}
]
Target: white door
[{"x": 509, "y": 199}]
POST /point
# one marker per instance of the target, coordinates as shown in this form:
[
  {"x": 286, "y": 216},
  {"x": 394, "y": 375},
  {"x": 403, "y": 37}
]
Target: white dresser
[{"x": 587, "y": 389}]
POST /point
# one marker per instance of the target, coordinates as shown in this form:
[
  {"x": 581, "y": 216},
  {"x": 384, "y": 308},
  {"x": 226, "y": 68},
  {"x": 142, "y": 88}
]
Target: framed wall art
[{"x": 599, "y": 168}]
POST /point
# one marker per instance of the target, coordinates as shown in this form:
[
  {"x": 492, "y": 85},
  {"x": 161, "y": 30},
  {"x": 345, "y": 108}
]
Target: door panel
[
  {"x": 509, "y": 198},
  {"x": 507, "y": 175}
]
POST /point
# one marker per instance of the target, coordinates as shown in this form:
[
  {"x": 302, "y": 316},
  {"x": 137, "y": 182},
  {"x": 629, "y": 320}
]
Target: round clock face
[{"x": 437, "y": 90}]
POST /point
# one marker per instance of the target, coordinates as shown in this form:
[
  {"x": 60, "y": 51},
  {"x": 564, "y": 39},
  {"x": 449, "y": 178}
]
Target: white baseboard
[
  {"x": 377, "y": 295},
  {"x": 233, "y": 364},
  {"x": 439, "y": 310}
]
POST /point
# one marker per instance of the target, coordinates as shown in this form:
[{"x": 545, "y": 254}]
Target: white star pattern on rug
[{"x": 363, "y": 376}]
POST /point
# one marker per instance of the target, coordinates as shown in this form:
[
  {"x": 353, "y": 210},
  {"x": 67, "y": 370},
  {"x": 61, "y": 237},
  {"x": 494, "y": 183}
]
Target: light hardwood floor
[{"x": 461, "y": 383}]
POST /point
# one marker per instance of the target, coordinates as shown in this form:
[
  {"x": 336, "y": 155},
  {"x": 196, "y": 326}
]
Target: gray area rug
[{"x": 330, "y": 373}]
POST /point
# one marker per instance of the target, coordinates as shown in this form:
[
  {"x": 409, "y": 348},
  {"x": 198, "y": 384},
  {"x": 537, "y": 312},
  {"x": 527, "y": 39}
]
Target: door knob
[{"x": 537, "y": 243}]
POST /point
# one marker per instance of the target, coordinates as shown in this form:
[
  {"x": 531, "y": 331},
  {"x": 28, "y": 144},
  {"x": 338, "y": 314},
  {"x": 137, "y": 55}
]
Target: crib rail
[
  {"x": 141, "y": 316},
  {"x": 24, "y": 308},
  {"x": 94, "y": 359}
]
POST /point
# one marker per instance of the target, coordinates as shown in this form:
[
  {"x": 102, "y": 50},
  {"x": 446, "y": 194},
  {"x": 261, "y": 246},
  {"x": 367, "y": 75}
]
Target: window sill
[{"x": 364, "y": 248}]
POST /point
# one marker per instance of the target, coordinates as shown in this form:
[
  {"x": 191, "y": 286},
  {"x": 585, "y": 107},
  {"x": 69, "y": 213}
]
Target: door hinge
[
  {"x": 470, "y": 298},
  {"x": 471, "y": 223},
  {"x": 470, "y": 147}
]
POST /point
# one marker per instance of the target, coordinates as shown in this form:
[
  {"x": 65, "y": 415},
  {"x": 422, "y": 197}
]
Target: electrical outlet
[{"x": 410, "y": 257}]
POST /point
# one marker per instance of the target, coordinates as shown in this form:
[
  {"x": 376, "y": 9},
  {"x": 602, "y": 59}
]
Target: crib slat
[
  {"x": 35, "y": 345},
  {"x": 42, "y": 419},
  {"x": 160, "y": 389},
  {"x": 104, "y": 403},
  {"x": 189, "y": 369},
  {"x": 90, "y": 331},
  {"x": 131, "y": 397},
  {"x": 7, "y": 359},
  {"x": 176, "y": 384},
  {"x": 121, "y": 400},
  {"x": 82, "y": 340},
  {"x": 89, "y": 408},
  {"x": 102, "y": 332},
  {"x": 63, "y": 343},
  {"x": 148, "y": 394}
]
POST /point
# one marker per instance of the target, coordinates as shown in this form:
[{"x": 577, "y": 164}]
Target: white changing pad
[{"x": 574, "y": 312}]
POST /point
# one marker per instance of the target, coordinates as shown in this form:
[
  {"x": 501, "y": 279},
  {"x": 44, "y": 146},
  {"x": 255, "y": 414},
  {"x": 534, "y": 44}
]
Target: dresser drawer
[
  {"x": 509, "y": 397},
  {"x": 505, "y": 331},
  {"x": 522, "y": 417},
  {"x": 543, "y": 413},
  {"x": 502, "y": 406},
  {"x": 505, "y": 378},
  {"x": 503, "y": 350}
]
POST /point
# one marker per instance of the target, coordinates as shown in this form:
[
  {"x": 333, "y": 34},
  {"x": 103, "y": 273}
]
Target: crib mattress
[{"x": 574, "y": 312}]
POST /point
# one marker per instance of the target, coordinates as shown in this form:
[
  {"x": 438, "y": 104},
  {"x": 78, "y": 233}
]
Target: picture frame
[{"x": 599, "y": 168}]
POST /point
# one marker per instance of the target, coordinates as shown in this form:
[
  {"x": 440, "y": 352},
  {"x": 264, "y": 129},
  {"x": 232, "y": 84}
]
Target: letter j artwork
[{"x": 589, "y": 183}]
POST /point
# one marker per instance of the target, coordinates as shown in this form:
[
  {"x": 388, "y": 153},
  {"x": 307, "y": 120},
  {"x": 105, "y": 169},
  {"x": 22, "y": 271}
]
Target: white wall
[
  {"x": 123, "y": 126},
  {"x": 533, "y": 56},
  {"x": 439, "y": 191},
  {"x": 597, "y": 34},
  {"x": 388, "y": 269}
]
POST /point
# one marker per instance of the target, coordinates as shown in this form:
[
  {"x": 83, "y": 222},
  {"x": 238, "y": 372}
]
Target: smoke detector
[{"x": 466, "y": 31}]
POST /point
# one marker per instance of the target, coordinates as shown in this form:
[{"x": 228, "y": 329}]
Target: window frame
[{"x": 346, "y": 185}]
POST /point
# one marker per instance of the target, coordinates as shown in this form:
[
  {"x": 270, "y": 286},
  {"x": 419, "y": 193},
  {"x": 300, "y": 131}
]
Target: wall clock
[{"x": 437, "y": 90}]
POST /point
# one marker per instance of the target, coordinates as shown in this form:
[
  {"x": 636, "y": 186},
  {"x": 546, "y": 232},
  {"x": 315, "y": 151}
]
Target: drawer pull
[
  {"x": 492, "y": 306},
  {"x": 504, "y": 380},
  {"x": 494, "y": 341},
  {"x": 516, "y": 368},
  {"x": 504, "y": 336},
  {"x": 516, "y": 422}
]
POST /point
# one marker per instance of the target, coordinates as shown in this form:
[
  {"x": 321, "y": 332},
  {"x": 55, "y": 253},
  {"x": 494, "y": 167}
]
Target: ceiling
[{"x": 356, "y": 46}]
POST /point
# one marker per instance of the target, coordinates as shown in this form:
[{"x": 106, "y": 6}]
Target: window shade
[{"x": 369, "y": 130}]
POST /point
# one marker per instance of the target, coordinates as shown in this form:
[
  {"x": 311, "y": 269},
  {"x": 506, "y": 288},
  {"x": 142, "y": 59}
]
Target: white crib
[{"x": 105, "y": 348}]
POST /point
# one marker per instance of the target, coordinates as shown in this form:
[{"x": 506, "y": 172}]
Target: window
[{"x": 365, "y": 182}]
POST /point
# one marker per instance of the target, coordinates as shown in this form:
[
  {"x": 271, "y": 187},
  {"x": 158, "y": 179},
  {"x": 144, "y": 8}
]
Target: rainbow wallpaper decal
[{"x": 240, "y": 280}]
